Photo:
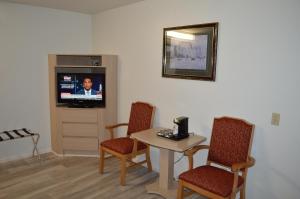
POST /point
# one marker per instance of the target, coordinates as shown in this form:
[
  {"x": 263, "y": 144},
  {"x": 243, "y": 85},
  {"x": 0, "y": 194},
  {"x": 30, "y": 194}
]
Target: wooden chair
[
  {"x": 230, "y": 147},
  {"x": 125, "y": 148}
]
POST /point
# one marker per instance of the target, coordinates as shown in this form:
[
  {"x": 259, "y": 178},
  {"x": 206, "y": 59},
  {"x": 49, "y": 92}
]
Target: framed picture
[{"x": 190, "y": 52}]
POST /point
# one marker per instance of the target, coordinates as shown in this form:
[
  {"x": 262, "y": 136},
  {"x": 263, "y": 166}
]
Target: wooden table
[{"x": 166, "y": 186}]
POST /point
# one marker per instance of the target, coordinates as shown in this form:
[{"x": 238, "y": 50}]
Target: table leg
[{"x": 165, "y": 186}]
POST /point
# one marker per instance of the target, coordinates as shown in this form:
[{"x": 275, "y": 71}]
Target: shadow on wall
[{"x": 265, "y": 177}]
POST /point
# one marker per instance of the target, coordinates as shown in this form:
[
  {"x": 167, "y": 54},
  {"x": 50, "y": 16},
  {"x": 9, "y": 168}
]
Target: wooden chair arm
[
  {"x": 191, "y": 152},
  {"x": 243, "y": 165},
  {"x": 236, "y": 167},
  {"x": 195, "y": 149},
  {"x": 112, "y": 127},
  {"x": 116, "y": 125}
]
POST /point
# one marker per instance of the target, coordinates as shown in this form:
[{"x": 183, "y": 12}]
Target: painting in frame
[{"x": 190, "y": 52}]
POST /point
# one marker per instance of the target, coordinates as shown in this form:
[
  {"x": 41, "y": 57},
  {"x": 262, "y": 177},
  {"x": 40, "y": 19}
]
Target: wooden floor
[{"x": 72, "y": 178}]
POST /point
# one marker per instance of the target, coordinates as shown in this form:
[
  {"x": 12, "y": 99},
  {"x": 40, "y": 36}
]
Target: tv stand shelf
[
  {"x": 80, "y": 106},
  {"x": 78, "y": 130}
]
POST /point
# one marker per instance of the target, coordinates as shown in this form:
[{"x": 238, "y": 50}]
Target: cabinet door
[
  {"x": 79, "y": 130},
  {"x": 84, "y": 144},
  {"x": 80, "y": 116}
]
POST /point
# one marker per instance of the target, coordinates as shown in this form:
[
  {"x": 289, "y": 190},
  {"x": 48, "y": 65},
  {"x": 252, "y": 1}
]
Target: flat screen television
[{"x": 82, "y": 87}]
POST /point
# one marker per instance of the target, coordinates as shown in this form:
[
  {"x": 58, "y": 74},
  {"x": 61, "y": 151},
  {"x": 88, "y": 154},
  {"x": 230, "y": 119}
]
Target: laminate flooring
[{"x": 55, "y": 177}]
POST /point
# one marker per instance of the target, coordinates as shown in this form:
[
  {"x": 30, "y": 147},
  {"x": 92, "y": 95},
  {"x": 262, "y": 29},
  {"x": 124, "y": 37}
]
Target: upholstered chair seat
[
  {"x": 123, "y": 145},
  {"x": 213, "y": 179}
]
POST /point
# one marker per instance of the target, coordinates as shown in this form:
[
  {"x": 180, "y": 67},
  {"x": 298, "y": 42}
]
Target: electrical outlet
[{"x": 275, "y": 119}]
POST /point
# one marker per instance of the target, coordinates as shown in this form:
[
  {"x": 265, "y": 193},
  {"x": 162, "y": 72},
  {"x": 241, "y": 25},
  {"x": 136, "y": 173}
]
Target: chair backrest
[
  {"x": 231, "y": 141},
  {"x": 141, "y": 117}
]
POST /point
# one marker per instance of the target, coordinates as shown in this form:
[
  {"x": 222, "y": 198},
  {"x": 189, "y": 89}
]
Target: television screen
[{"x": 81, "y": 86}]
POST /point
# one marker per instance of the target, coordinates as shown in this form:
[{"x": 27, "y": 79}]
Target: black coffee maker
[{"x": 183, "y": 129}]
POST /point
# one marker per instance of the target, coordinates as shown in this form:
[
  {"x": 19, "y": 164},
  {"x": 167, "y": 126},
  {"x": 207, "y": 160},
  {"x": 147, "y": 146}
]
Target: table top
[{"x": 149, "y": 137}]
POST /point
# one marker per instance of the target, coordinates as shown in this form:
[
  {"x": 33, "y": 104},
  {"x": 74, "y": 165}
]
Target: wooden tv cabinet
[{"x": 78, "y": 131}]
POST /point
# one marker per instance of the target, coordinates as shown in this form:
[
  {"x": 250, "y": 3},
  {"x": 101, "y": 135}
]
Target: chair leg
[
  {"x": 149, "y": 165},
  {"x": 242, "y": 192},
  {"x": 233, "y": 195},
  {"x": 180, "y": 190},
  {"x": 101, "y": 160},
  {"x": 123, "y": 171}
]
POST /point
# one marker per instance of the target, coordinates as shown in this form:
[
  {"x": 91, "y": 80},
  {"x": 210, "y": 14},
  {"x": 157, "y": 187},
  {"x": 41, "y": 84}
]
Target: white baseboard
[
  {"x": 72, "y": 155},
  {"x": 24, "y": 155},
  {"x": 59, "y": 155}
]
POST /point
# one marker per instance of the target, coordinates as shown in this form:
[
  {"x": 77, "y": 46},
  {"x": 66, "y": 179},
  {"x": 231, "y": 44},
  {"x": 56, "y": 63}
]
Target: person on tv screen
[{"x": 87, "y": 87}]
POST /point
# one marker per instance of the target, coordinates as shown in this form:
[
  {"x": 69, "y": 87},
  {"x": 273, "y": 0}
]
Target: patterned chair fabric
[
  {"x": 123, "y": 145},
  {"x": 212, "y": 179},
  {"x": 140, "y": 117},
  {"x": 230, "y": 141}
]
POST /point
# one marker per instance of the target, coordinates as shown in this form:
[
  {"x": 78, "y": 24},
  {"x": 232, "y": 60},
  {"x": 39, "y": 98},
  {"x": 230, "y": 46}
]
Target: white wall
[
  {"x": 27, "y": 35},
  {"x": 257, "y": 74}
]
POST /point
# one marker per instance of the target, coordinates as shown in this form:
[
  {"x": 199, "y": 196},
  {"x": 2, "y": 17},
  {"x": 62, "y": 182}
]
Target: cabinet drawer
[
  {"x": 80, "y": 130},
  {"x": 84, "y": 144},
  {"x": 82, "y": 116}
]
